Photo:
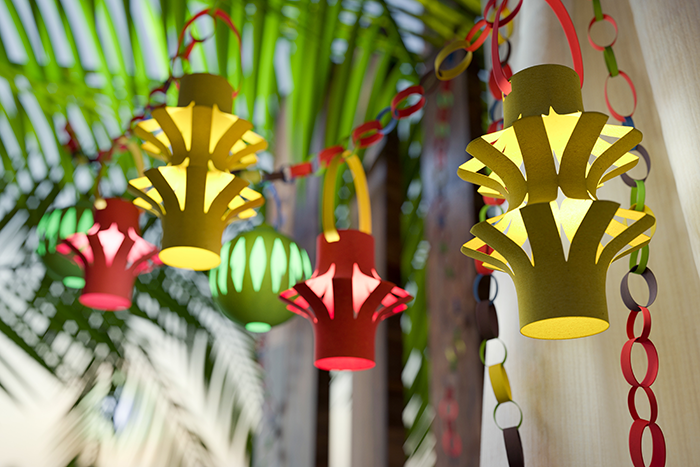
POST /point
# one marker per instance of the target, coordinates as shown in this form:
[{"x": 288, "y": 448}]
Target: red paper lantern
[
  {"x": 112, "y": 254},
  {"x": 345, "y": 299}
]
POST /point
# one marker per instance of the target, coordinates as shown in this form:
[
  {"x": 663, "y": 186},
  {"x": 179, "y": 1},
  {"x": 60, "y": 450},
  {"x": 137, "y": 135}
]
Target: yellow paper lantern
[
  {"x": 195, "y": 195},
  {"x": 548, "y": 163}
]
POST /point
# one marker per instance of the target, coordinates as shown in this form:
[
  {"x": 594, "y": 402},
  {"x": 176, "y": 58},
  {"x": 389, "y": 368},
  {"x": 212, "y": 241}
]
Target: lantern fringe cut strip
[
  {"x": 561, "y": 294},
  {"x": 345, "y": 299},
  {"x": 54, "y": 227},
  {"x": 112, "y": 254},
  {"x": 255, "y": 267},
  {"x": 195, "y": 195}
]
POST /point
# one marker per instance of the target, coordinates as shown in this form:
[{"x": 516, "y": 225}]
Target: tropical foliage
[{"x": 170, "y": 382}]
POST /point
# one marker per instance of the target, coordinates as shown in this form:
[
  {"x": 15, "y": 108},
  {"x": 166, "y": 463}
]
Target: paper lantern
[
  {"x": 559, "y": 278},
  {"x": 345, "y": 299},
  {"x": 54, "y": 227},
  {"x": 112, "y": 254},
  {"x": 195, "y": 195},
  {"x": 255, "y": 267}
]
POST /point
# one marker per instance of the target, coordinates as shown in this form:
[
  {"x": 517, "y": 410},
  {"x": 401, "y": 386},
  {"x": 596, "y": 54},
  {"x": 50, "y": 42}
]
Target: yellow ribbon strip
[{"x": 363, "y": 204}]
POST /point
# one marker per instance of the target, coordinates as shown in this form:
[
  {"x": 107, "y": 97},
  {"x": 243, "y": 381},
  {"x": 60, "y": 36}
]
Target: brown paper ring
[
  {"x": 514, "y": 447},
  {"x": 487, "y": 320},
  {"x": 631, "y": 182},
  {"x": 653, "y": 286}
]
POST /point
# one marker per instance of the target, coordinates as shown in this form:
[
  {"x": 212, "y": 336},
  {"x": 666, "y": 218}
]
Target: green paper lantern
[
  {"x": 54, "y": 227},
  {"x": 255, "y": 267}
]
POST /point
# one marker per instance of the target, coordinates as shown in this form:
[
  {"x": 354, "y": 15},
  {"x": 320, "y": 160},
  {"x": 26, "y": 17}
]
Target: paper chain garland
[
  {"x": 486, "y": 314},
  {"x": 638, "y": 194}
]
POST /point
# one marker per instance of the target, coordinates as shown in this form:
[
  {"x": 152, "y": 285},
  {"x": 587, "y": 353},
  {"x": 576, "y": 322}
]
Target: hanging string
[{"x": 638, "y": 266}]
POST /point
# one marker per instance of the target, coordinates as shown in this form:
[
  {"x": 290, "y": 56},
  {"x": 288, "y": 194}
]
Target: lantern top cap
[
  {"x": 537, "y": 89},
  {"x": 206, "y": 90}
]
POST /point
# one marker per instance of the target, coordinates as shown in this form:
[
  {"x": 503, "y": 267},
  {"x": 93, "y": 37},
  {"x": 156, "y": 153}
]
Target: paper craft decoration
[
  {"x": 112, "y": 254},
  {"x": 255, "y": 267},
  {"x": 54, "y": 227},
  {"x": 195, "y": 195},
  {"x": 559, "y": 278},
  {"x": 345, "y": 299}
]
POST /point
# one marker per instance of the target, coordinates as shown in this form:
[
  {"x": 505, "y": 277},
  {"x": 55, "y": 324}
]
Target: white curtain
[{"x": 572, "y": 393}]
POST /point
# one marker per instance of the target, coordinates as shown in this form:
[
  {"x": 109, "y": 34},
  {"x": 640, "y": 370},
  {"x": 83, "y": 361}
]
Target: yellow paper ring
[
  {"x": 446, "y": 75},
  {"x": 500, "y": 383},
  {"x": 361, "y": 191}
]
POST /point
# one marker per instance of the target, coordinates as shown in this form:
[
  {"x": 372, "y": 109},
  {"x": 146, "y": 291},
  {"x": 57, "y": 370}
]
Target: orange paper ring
[
  {"x": 367, "y": 127},
  {"x": 658, "y": 457},
  {"x": 507, "y": 19},
  {"x": 610, "y": 20},
  {"x": 653, "y": 405},
  {"x": 399, "y": 97},
  {"x": 482, "y": 37},
  {"x": 652, "y": 365},
  {"x": 634, "y": 95},
  {"x": 632, "y": 318}
]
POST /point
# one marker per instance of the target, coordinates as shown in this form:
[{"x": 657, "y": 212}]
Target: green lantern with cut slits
[
  {"x": 255, "y": 267},
  {"x": 54, "y": 227}
]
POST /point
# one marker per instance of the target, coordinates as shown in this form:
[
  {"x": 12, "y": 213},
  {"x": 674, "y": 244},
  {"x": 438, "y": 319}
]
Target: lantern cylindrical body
[
  {"x": 255, "y": 267},
  {"x": 55, "y": 227},
  {"x": 345, "y": 300}
]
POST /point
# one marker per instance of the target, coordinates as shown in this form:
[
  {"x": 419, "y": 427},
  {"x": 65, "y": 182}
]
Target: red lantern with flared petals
[
  {"x": 345, "y": 299},
  {"x": 112, "y": 254}
]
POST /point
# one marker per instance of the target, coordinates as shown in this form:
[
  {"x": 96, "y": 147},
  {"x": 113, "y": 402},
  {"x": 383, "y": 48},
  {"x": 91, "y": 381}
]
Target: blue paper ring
[
  {"x": 475, "y": 287},
  {"x": 389, "y": 126},
  {"x": 492, "y": 110}
]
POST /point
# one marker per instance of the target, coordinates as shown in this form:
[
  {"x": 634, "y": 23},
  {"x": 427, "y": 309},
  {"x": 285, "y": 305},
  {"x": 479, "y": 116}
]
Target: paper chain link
[
  {"x": 365, "y": 135},
  {"x": 637, "y": 202},
  {"x": 610, "y": 61},
  {"x": 487, "y": 324}
]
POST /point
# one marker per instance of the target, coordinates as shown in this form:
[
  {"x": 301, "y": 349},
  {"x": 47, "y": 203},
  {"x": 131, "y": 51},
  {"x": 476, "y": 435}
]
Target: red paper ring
[
  {"x": 482, "y": 37},
  {"x": 367, "y": 127},
  {"x": 327, "y": 155},
  {"x": 480, "y": 268},
  {"x": 448, "y": 409},
  {"x": 507, "y": 19},
  {"x": 601, "y": 48},
  {"x": 494, "y": 127},
  {"x": 658, "y": 457},
  {"x": 653, "y": 286},
  {"x": 652, "y": 363},
  {"x": 493, "y": 201},
  {"x": 632, "y": 318},
  {"x": 408, "y": 111},
  {"x": 653, "y": 405},
  {"x": 569, "y": 30},
  {"x": 486, "y": 320},
  {"x": 514, "y": 447},
  {"x": 451, "y": 443},
  {"x": 631, "y": 182},
  {"x": 634, "y": 95}
]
